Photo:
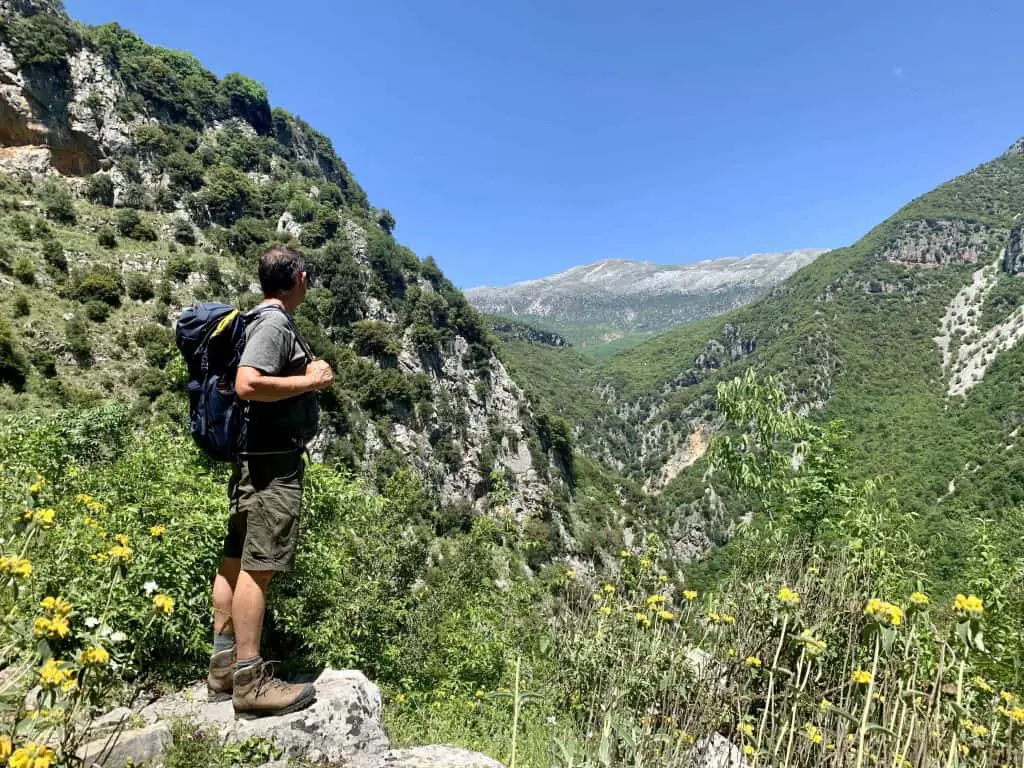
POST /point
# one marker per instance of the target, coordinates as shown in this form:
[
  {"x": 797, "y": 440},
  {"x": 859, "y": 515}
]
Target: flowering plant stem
[{"x": 862, "y": 731}]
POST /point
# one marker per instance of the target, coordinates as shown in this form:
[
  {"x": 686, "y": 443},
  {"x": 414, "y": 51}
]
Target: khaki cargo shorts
[{"x": 265, "y": 494}]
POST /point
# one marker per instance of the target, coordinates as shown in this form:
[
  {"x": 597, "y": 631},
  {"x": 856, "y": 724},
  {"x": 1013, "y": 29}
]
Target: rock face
[
  {"x": 938, "y": 242},
  {"x": 343, "y": 727},
  {"x": 1013, "y": 257}
]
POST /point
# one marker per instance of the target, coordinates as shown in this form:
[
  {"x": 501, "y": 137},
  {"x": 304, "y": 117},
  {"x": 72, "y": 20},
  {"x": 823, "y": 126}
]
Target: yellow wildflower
[
  {"x": 919, "y": 599},
  {"x": 788, "y": 597},
  {"x": 964, "y": 750},
  {"x": 57, "y": 627},
  {"x": 38, "y": 485},
  {"x": 624, "y": 553},
  {"x": 479, "y": 693},
  {"x": 41, "y": 517},
  {"x": 825, "y": 705},
  {"x": 605, "y": 610},
  {"x": 120, "y": 553},
  {"x": 812, "y": 571},
  {"x": 94, "y": 657},
  {"x": 1017, "y": 715},
  {"x": 748, "y": 750},
  {"x": 121, "y": 539},
  {"x": 99, "y": 557},
  {"x": 18, "y": 567},
  {"x": 52, "y": 674},
  {"x": 165, "y": 603},
  {"x": 641, "y": 618},
  {"x": 1008, "y": 697},
  {"x": 596, "y": 597},
  {"x": 33, "y": 755},
  {"x": 91, "y": 522},
  {"x": 886, "y": 614},
  {"x": 90, "y": 503},
  {"x": 5, "y": 747},
  {"x": 981, "y": 684},
  {"x": 969, "y": 607},
  {"x": 980, "y": 731},
  {"x": 666, "y": 615},
  {"x": 159, "y": 530},
  {"x": 655, "y": 600},
  {"x": 609, "y": 589},
  {"x": 746, "y": 729},
  {"x": 728, "y": 619},
  {"x": 57, "y": 606},
  {"x": 861, "y": 676},
  {"x": 690, "y": 595},
  {"x": 812, "y": 733},
  {"x": 753, "y": 661},
  {"x": 731, "y": 653}
]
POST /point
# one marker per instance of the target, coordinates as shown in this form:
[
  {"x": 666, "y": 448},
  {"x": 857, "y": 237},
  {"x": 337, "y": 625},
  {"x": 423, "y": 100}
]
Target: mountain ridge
[{"x": 613, "y": 298}]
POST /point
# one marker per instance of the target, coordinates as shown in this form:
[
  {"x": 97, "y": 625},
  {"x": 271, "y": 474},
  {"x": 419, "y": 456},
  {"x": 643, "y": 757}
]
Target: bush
[
  {"x": 248, "y": 100},
  {"x": 77, "y": 334},
  {"x": 24, "y": 270},
  {"x": 183, "y": 232},
  {"x": 157, "y": 344},
  {"x": 185, "y": 171},
  {"x": 58, "y": 204},
  {"x": 100, "y": 284},
  {"x": 100, "y": 189},
  {"x": 21, "y": 306},
  {"x": 97, "y": 311},
  {"x": 14, "y": 366},
  {"x": 144, "y": 231},
  {"x": 228, "y": 196},
  {"x": 53, "y": 255},
  {"x": 22, "y": 226},
  {"x": 179, "y": 267},
  {"x": 127, "y": 220},
  {"x": 151, "y": 383},
  {"x": 373, "y": 338},
  {"x": 106, "y": 237},
  {"x": 138, "y": 286},
  {"x": 42, "y": 39},
  {"x": 43, "y": 361}
]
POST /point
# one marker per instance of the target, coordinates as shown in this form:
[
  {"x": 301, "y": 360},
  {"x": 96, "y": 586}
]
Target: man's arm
[{"x": 252, "y": 384}]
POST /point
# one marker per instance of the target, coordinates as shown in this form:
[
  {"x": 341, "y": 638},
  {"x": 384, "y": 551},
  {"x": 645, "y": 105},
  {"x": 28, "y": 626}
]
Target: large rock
[
  {"x": 1013, "y": 256},
  {"x": 716, "y": 751},
  {"x": 343, "y": 726}
]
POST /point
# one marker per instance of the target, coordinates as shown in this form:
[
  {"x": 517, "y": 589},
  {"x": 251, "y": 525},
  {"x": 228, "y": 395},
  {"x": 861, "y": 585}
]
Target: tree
[
  {"x": 139, "y": 287},
  {"x": 248, "y": 100},
  {"x": 183, "y": 232},
  {"x": 227, "y": 196},
  {"x": 100, "y": 189},
  {"x": 386, "y": 221},
  {"x": 127, "y": 220},
  {"x": 53, "y": 255},
  {"x": 99, "y": 284},
  {"x": 58, "y": 204}
]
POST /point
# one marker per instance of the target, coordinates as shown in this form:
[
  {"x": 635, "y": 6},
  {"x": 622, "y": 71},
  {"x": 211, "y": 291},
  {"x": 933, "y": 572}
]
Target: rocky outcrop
[
  {"x": 343, "y": 727},
  {"x": 1013, "y": 257},
  {"x": 70, "y": 110},
  {"x": 524, "y": 332},
  {"x": 938, "y": 243}
]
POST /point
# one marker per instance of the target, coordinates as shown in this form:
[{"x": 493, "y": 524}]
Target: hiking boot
[
  {"x": 219, "y": 679},
  {"x": 258, "y": 693}
]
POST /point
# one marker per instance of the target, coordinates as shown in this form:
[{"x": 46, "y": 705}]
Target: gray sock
[
  {"x": 222, "y": 641},
  {"x": 245, "y": 663}
]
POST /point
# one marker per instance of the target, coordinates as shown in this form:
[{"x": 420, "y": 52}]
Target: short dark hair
[{"x": 280, "y": 268}]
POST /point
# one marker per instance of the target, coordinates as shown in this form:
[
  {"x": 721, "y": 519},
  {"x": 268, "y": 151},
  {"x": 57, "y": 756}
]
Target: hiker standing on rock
[{"x": 277, "y": 380}]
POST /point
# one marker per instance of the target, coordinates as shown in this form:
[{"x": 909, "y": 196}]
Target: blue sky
[{"x": 513, "y": 139}]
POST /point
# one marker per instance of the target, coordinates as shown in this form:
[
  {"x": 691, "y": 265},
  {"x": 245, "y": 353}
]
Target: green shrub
[
  {"x": 183, "y": 232},
  {"x": 144, "y": 231},
  {"x": 106, "y": 237},
  {"x": 14, "y": 366},
  {"x": 53, "y": 255},
  {"x": 42, "y": 39},
  {"x": 76, "y": 332},
  {"x": 97, "y": 311},
  {"x": 228, "y": 196},
  {"x": 127, "y": 220},
  {"x": 24, "y": 270},
  {"x": 185, "y": 171},
  {"x": 138, "y": 286},
  {"x": 100, "y": 189},
  {"x": 211, "y": 270},
  {"x": 373, "y": 338},
  {"x": 386, "y": 221},
  {"x": 43, "y": 361},
  {"x": 21, "y": 306},
  {"x": 58, "y": 203},
  {"x": 179, "y": 267},
  {"x": 156, "y": 343},
  {"x": 248, "y": 100},
  {"x": 99, "y": 284},
  {"x": 22, "y": 226},
  {"x": 150, "y": 383}
]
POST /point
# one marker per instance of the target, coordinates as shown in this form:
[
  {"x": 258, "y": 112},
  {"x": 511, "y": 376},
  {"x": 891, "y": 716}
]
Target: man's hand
[{"x": 320, "y": 375}]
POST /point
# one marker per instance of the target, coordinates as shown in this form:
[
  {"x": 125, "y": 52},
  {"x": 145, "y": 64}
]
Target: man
[{"x": 277, "y": 378}]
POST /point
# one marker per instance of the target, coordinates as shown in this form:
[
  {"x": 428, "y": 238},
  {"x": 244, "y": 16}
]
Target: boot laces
[{"x": 268, "y": 680}]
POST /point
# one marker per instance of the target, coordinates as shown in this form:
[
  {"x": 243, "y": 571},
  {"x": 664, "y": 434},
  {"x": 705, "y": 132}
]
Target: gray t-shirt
[{"x": 272, "y": 346}]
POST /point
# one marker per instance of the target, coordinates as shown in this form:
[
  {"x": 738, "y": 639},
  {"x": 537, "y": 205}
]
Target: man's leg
[
  {"x": 224, "y": 593},
  {"x": 247, "y": 609}
]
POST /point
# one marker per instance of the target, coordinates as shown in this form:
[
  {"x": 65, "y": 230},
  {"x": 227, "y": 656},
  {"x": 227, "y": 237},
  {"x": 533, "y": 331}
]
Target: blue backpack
[{"x": 211, "y": 338}]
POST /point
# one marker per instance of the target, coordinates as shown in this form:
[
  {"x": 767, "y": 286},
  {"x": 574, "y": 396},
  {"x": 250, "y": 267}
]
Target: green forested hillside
[{"x": 853, "y": 337}]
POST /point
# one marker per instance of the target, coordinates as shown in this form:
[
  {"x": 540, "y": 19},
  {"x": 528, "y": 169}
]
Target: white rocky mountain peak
[{"x": 624, "y": 296}]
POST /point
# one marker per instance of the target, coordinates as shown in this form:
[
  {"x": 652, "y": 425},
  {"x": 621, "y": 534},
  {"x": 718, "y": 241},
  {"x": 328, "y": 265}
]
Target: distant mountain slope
[
  {"x": 601, "y": 302},
  {"x": 910, "y": 336}
]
